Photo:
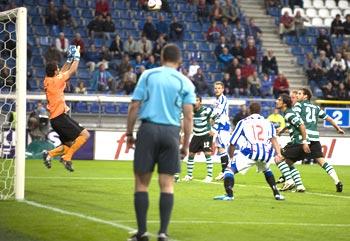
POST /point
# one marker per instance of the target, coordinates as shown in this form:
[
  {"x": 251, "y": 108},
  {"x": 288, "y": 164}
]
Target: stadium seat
[
  {"x": 346, "y": 12},
  {"x": 291, "y": 40},
  {"x": 111, "y": 108},
  {"x": 81, "y": 107},
  {"x": 318, "y": 4},
  {"x": 301, "y": 10},
  {"x": 334, "y": 12},
  {"x": 343, "y": 4},
  {"x": 317, "y": 22},
  {"x": 323, "y": 13},
  {"x": 327, "y": 22},
  {"x": 307, "y": 4},
  {"x": 123, "y": 108},
  {"x": 311, "y": 13},
  {"x": 286, "y": 9},
  {"x": 330, "y": 4},
  {"x": 296, "y": 50},
  {"x": 95, "y": 108}
]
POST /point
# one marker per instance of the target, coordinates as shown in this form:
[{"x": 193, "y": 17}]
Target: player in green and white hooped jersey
[
  {"x": 310, "y": 114},
  {"x": 294, "y": 150},
  {"x": 202, "y": 139}
]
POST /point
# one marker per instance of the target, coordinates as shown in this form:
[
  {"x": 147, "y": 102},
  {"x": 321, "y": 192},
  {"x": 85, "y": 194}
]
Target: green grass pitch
[{"x": 95, "y": 203}]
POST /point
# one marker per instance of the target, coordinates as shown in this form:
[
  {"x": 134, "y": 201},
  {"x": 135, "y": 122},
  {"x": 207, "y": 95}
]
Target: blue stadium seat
[
  {"x": 111, "y": 108},
  {"x": 95, "y": 108},
  {"x": 297, "y": 50},
  {"x": 38, "y": 61},
  {"x": 30, "y": 107},
  {"x": 123, "y": 108},
  {"x": 291, "y": 40},
  {"x": 301, "y": 59},
  {"x": 81, "y": 107}
]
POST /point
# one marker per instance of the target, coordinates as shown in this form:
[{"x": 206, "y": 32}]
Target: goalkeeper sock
[
  {"x": 58, "y": 151},
  {"x": 77, "y": 144},
  {"x": 331, "y": 172},
  {"x": 190, "y": 165}
]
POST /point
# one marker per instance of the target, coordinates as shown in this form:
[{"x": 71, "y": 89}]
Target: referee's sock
[
  {"x": 76, "y": 145},
  {"x": 58, "y": 151}
]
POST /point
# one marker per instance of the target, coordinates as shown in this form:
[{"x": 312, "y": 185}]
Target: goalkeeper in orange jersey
[{"x": 71, "y": 133}]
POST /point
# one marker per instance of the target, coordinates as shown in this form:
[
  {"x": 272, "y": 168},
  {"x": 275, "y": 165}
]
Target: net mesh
[{"x": 7, "y": 104}]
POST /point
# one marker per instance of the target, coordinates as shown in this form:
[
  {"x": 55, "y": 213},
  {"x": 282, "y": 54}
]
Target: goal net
[{"x": 13, "y": 70}]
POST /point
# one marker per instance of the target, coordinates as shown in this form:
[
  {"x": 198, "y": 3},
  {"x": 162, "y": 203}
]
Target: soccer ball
[{"x": 154, "y": 4}]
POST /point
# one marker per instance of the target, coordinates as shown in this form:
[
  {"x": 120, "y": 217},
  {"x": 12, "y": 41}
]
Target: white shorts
[
  {"x": 222, "y": 139},
  {"x": 243, "y": 163}
]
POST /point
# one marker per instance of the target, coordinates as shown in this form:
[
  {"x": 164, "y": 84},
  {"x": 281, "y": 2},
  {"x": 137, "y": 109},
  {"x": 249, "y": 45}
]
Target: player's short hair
[
  {"x": 254, "y": 108},
  {"x": 307, "y": 92},
  {"x": 199, "y": 97},
  {"x": 294, "y": 92},
  {"x": 219, "y": 83},
  {"x": 51, "y": 67},
  {"x": 171, "y": 53},
  {"x": 286, "y": 100}
]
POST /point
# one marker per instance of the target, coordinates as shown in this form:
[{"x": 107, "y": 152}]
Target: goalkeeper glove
[
  {"x": 76, "y": 55},
  {"x": 70, "y": 53}
]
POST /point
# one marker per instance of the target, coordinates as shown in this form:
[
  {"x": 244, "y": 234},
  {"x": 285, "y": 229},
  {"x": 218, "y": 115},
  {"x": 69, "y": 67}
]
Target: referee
[{"x": 159, "y": 98}]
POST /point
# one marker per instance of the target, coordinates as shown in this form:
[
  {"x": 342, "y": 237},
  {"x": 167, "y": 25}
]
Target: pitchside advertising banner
[{"x": 111, "y": 146}]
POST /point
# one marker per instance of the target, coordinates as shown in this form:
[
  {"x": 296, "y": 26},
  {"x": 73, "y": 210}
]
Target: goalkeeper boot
[
  {"x": 339, "y": 186},
  {"x": 67, "y": 164},
  {"x": 138, "y": 237},
  {"x": 47, "y": 159},
  {"x": 224, "y": 197},
  {"x": 162, "y": 237}
]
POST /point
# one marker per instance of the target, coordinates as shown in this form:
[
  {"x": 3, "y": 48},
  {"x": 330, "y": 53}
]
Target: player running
[
  {"x": 202, "y": 139},
  {"x": 310, "y": 114},
  {"x": 71, "y": 133},
  {"x": 257, "y": 145},
  {"x": 221, "y": 126}
]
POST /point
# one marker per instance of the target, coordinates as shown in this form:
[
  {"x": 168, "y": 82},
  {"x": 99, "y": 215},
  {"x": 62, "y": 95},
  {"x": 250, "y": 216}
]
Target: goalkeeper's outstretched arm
[{"x": 72, "y": 63}]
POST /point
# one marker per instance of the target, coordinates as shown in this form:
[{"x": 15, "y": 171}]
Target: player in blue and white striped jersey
[
  {"x": 221, "y": 126},
  {"x": 253, "y": 142}
]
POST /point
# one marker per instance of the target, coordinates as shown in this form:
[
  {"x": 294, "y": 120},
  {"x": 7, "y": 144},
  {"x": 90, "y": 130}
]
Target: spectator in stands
[
  {"x": 202, "y": 11},
  {"x": 323, "y": 61},
  {"x": 250, "y": 51},
  {"x": 158, "y": 46},
  {"x": 329, "y": 93},
  {"x": 124, "y": 65},
  {"x": 216, "y": 12},
  {"x": 102, "y": 79},
  {"x": 241, "y": 114},
  {"x": 137, "y": 64},
  {"x": 281, "y": 85},
  {"x": 344, "y": 49},
  {"x": 92, "y": 57},
  {"x": 337, "y": 27},
  {"x": 316, "y": 78},
  {"x": 62, "y": 44},
  {"x": 286, "y": 24},
  {"x": 269, "y": 63},
  {"x": 339, "y": 61},
  {"x": 266, "y": 85},
  {"x": 128, "y": 82},
  {"x": 343, "y": 93},
  {"x": 130, "y": 46},
  {"x": 238, "y": 84},
  {"x": 225, "y": 58},
  {"x": 335, "y": 75},
  {"x": 227, "y": 82},
  {"x": 221, "y": 45},
  {"x": 229, "y": 11},
  {"x": 78, "y": 41},
  {"x": 149, "y": 30},
  {"x": 214, "y": 32},
  {"x": 151, "y": 63},
  {"x": 102, "y": 8},
  {"x": 238, "y": 51},
  {"x": 299, "y": 21},
  {"x": 81, "y": 88},
  {"x": 272, "y": 4},
  {"x": 248, "y": 68},
  {"x": 192, "y": 69},
  {"x": 346, "y": 25},
  {"x": 116, "y": 48},
  {"x": 309, "y": 60},
  {"x": 108, "y": 27},
  {"x": 51, "y": 17},
  {"x": 176, "y": 30},
  {"x": 162, "y": 27},
  {"x": 64, "y": 17},
  {"x": 6, "y": 78},
  {"x": 231, "y": 69},
  {"x": 254, "y": 31},
  {"x": 200, "y": 83},
  {"x": 52, "y": 54},
  {"x": 254, "y": 84},
  {"x": 322, "y": 40},
  {"x": 144, "y": 47},
  {"x": 106, "y": 56},
  {"x": 227, "y": 31},
  {"x": 347, "y": 63},
  {"x": 239, "y": 31},
  {"x": 293, "y": 3},
  {"x": 95, "y": 27}
]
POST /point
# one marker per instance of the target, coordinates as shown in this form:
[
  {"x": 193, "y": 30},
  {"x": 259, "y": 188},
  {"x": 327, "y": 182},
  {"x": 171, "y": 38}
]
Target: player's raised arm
[
  {"x": 72, "y": 63},
  {"x": 335, "y": 125}
]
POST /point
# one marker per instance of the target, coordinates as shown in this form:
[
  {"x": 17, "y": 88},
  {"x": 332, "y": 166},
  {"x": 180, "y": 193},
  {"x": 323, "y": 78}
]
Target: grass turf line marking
[
  {"x": 309, "y": 193},
  {"x": 87, "y": 217},
  {"x": 84, "y": 178}
]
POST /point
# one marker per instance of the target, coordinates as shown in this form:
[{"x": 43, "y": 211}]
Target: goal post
[{"x": 14, "y": 59}]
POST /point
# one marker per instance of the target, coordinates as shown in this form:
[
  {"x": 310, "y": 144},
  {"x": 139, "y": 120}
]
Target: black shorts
[
  {"x": 201, "y": 143},
  {"x": 67, "y": 128},
  {"x": 294, "y": 152},
  {"x": 157, "y": 144},
  {"x": 316, "y": 150}
]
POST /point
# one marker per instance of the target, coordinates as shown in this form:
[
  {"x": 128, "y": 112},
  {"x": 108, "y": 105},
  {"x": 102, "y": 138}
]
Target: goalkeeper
[{"x": 71, "y": 133}]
